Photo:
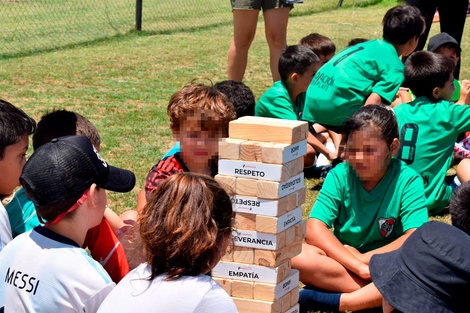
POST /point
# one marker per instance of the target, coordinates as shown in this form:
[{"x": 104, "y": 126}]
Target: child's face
[
  {"x": 368, "y": 155},
  {"x": 12, "y": 164},
  {"x": 304, "y": 80},
  {"x": 198, "y": 146},
  {"x": 448, "y": 52},
  {"x": 446, "y": 92}
]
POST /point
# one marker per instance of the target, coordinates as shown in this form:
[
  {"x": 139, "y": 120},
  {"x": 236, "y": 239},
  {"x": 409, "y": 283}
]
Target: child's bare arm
[
  {"x": 394, "y": 245},
  {"x": 374, "y": 99},
  {"x": 464, "y": 92},
  {"x": 320, "y": 236}
]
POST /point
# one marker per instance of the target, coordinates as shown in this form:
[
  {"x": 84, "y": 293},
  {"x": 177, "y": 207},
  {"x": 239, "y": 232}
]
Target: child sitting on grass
[
  {"x": 46, "y": 270},
  {"x": 373, "y": 201},
  {"x": 286, "y": 98},
  {"x": 321, "y": 45},
  {"x": 363, "y": 74},
  {"x": 101, "y": 241},
  {"x": 199, "y": 117},
  {"x": 15, "y": 128},
  {"x": 430, "y": 124},
  {"x": 185, "y": 229}
]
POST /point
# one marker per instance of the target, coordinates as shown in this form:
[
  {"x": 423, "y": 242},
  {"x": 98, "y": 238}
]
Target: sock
[{"x": 313, "y": 299}]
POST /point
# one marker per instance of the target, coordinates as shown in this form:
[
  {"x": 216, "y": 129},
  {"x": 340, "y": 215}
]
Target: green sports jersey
[
  {"x": 276, "y": 103},
  {"x": 370, "y": 220},
  {"x": 342, "y": 85},
  {"x": 427, "y": 135}
]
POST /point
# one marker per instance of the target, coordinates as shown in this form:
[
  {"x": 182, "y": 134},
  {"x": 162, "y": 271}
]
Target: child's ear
[
  {"x": 92, "y": 193},
  {"x": 394, "y": 147},
  {"x": 294, "y": 77},
  {"x": 435, "y": 93}
]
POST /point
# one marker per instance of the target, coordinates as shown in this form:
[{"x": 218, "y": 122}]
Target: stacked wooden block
[{"x": 262, "y": 162}]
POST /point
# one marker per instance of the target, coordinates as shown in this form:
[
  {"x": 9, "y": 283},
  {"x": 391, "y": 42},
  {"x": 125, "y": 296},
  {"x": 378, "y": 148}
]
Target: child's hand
[
  {"x": 332, "y": 155},
  {"x": 464, "y": 92}
]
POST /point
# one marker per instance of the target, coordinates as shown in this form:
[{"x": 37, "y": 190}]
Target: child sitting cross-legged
[
  {"x": 46, "y": 270},
  {"x": 373, "y": 201}
]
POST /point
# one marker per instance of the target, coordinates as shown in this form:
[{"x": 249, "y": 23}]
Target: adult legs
[
  {"x": 427, "y": 8},
  {"x": 452, "y": 20},
  {"x": 275, "y": 25},
  {"x": 244, "y": 29}
]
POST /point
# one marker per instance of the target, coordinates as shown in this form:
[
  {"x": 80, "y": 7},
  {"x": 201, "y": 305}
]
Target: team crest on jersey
[{"x": 386, "y": 226}]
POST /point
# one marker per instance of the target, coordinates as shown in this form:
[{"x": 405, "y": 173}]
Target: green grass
[{"x": 122, "y": 84}]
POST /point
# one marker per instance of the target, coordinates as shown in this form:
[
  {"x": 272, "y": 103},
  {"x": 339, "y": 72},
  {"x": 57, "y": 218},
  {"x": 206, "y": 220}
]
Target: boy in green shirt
[
  {"x": 430, "y": 124},
  {"x": 367, "y": 73},
  {"x": 286, "y": 98}
]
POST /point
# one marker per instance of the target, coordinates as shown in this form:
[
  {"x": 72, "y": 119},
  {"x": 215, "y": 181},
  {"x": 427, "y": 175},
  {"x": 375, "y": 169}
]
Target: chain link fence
[{"x": 29, "y": 26}]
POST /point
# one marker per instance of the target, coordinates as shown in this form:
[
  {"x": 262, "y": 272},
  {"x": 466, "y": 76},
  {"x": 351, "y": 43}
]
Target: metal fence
[{"x": 28, "y": 26}]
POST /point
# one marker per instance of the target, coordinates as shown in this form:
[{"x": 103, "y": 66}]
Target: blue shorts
[{"x": 259, "y": 4}]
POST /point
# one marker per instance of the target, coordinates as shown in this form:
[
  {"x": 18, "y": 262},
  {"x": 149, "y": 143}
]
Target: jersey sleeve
[
  {"x": 413, "y": 212},
  {"x": 94, "y": 301},
  {"x": 389, "y": 83},
  {"x": 160, "y": 172},
  {"x": 460, "y": 117},
  {"x": 328, "y": 203},
  {"x": 214, "y": 301}
]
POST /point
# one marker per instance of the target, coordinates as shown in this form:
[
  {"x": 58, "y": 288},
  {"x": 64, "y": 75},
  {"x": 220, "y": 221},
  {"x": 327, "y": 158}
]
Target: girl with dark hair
[
  {"x": 185, "y": 229},
  {"x": 373, "y": 201}
]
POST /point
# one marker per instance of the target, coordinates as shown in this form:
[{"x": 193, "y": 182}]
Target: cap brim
[
  {"x": 399, "y": 289},
  {"x": 119, "y": 180}
]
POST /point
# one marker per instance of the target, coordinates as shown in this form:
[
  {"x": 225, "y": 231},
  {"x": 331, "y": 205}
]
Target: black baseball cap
[
  {"x": 429, "y": 273},
  {"x": 440, "y": 39},
  {"x": 67, "y": 166}
]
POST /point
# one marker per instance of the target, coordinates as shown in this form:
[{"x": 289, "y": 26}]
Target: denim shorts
[{"x": 259, "y": 4}]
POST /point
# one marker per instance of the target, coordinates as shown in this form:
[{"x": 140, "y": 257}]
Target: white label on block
[
  {"x": 255, "y": 205},
  {"x": 291, "y": 185},
  {"x": 253, "y": 239},
  {"x": 295, "y": 151},
  {"x": 256, "y": 170},
  {"x": 287, "y": 284},
  {"x": 247, "y": 272},
  {"x": 289, "y": 219}
]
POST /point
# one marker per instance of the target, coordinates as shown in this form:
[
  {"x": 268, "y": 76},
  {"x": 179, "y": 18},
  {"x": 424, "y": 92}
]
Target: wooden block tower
[{"x": 262, "y": 162}]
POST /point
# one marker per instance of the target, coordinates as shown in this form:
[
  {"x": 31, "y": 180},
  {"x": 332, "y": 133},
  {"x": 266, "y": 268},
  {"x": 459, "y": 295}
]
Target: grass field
[{"x": 122, "y": 84}]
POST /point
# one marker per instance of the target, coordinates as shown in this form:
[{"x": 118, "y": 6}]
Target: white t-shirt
[
  {"x": 5, "y": 228},
  {"x": 188, "y": 294},
  {"x": 42, "y": 271}
]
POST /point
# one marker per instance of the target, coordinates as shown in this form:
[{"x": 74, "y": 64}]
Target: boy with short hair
[
  {"x": 321, "y": 45},
  {"x": 286, "y": 98},
  {"x": 430, "y": 124},
  {"x": 15, "y": 128},
  {"x": 445, "y": 44},
  {"x": 199, "y": 117},
  {"x": 45, "y": 269},
  {"x": 367, "y": 73},
  {"x": 101, "y": 241}
]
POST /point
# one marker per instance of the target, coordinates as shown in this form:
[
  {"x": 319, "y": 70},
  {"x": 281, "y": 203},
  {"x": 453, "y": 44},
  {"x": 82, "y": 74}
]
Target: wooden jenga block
[
  {"x": 290, "y": 235},
  {"x": 253, "y": 205},
  {"x": 232, "y": 270},
  {"x": 296, "y": 199},
  {"x": 226, "y": 284},
  {"x": 270, "y": 292},
  {"x": 268, "y": 129},
  {"x": 258, "y": 240},
  {"x": 246, "y": 187},
  {"x": 294, "y": 297},
  {"x": 227, "y": 182},
  {"x": 257, "y": 306},
  {"x": 275, "y": 190},
  {"x": 228, "y": 256},
  {"x": 274, "y": 225},
  {"x": 294, "y": 309},
  {"x": 250, "y": 151},
  {"x": 273, "y": 258},
  {"x": 242, "y": 289},
  {"x": 280, "y": 153},
  {"x": 243, "y": 255},
  {"x": 300, "y": 230},
  {"x": 257, "y": 170},
  {"x": 285, "y": 302},
  {"x": 229, "y": 148},
  {"x": 245, "y": 221}
]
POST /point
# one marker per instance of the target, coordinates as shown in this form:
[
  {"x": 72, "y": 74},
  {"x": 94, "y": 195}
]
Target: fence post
[{"x": 138, "y": 15}]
